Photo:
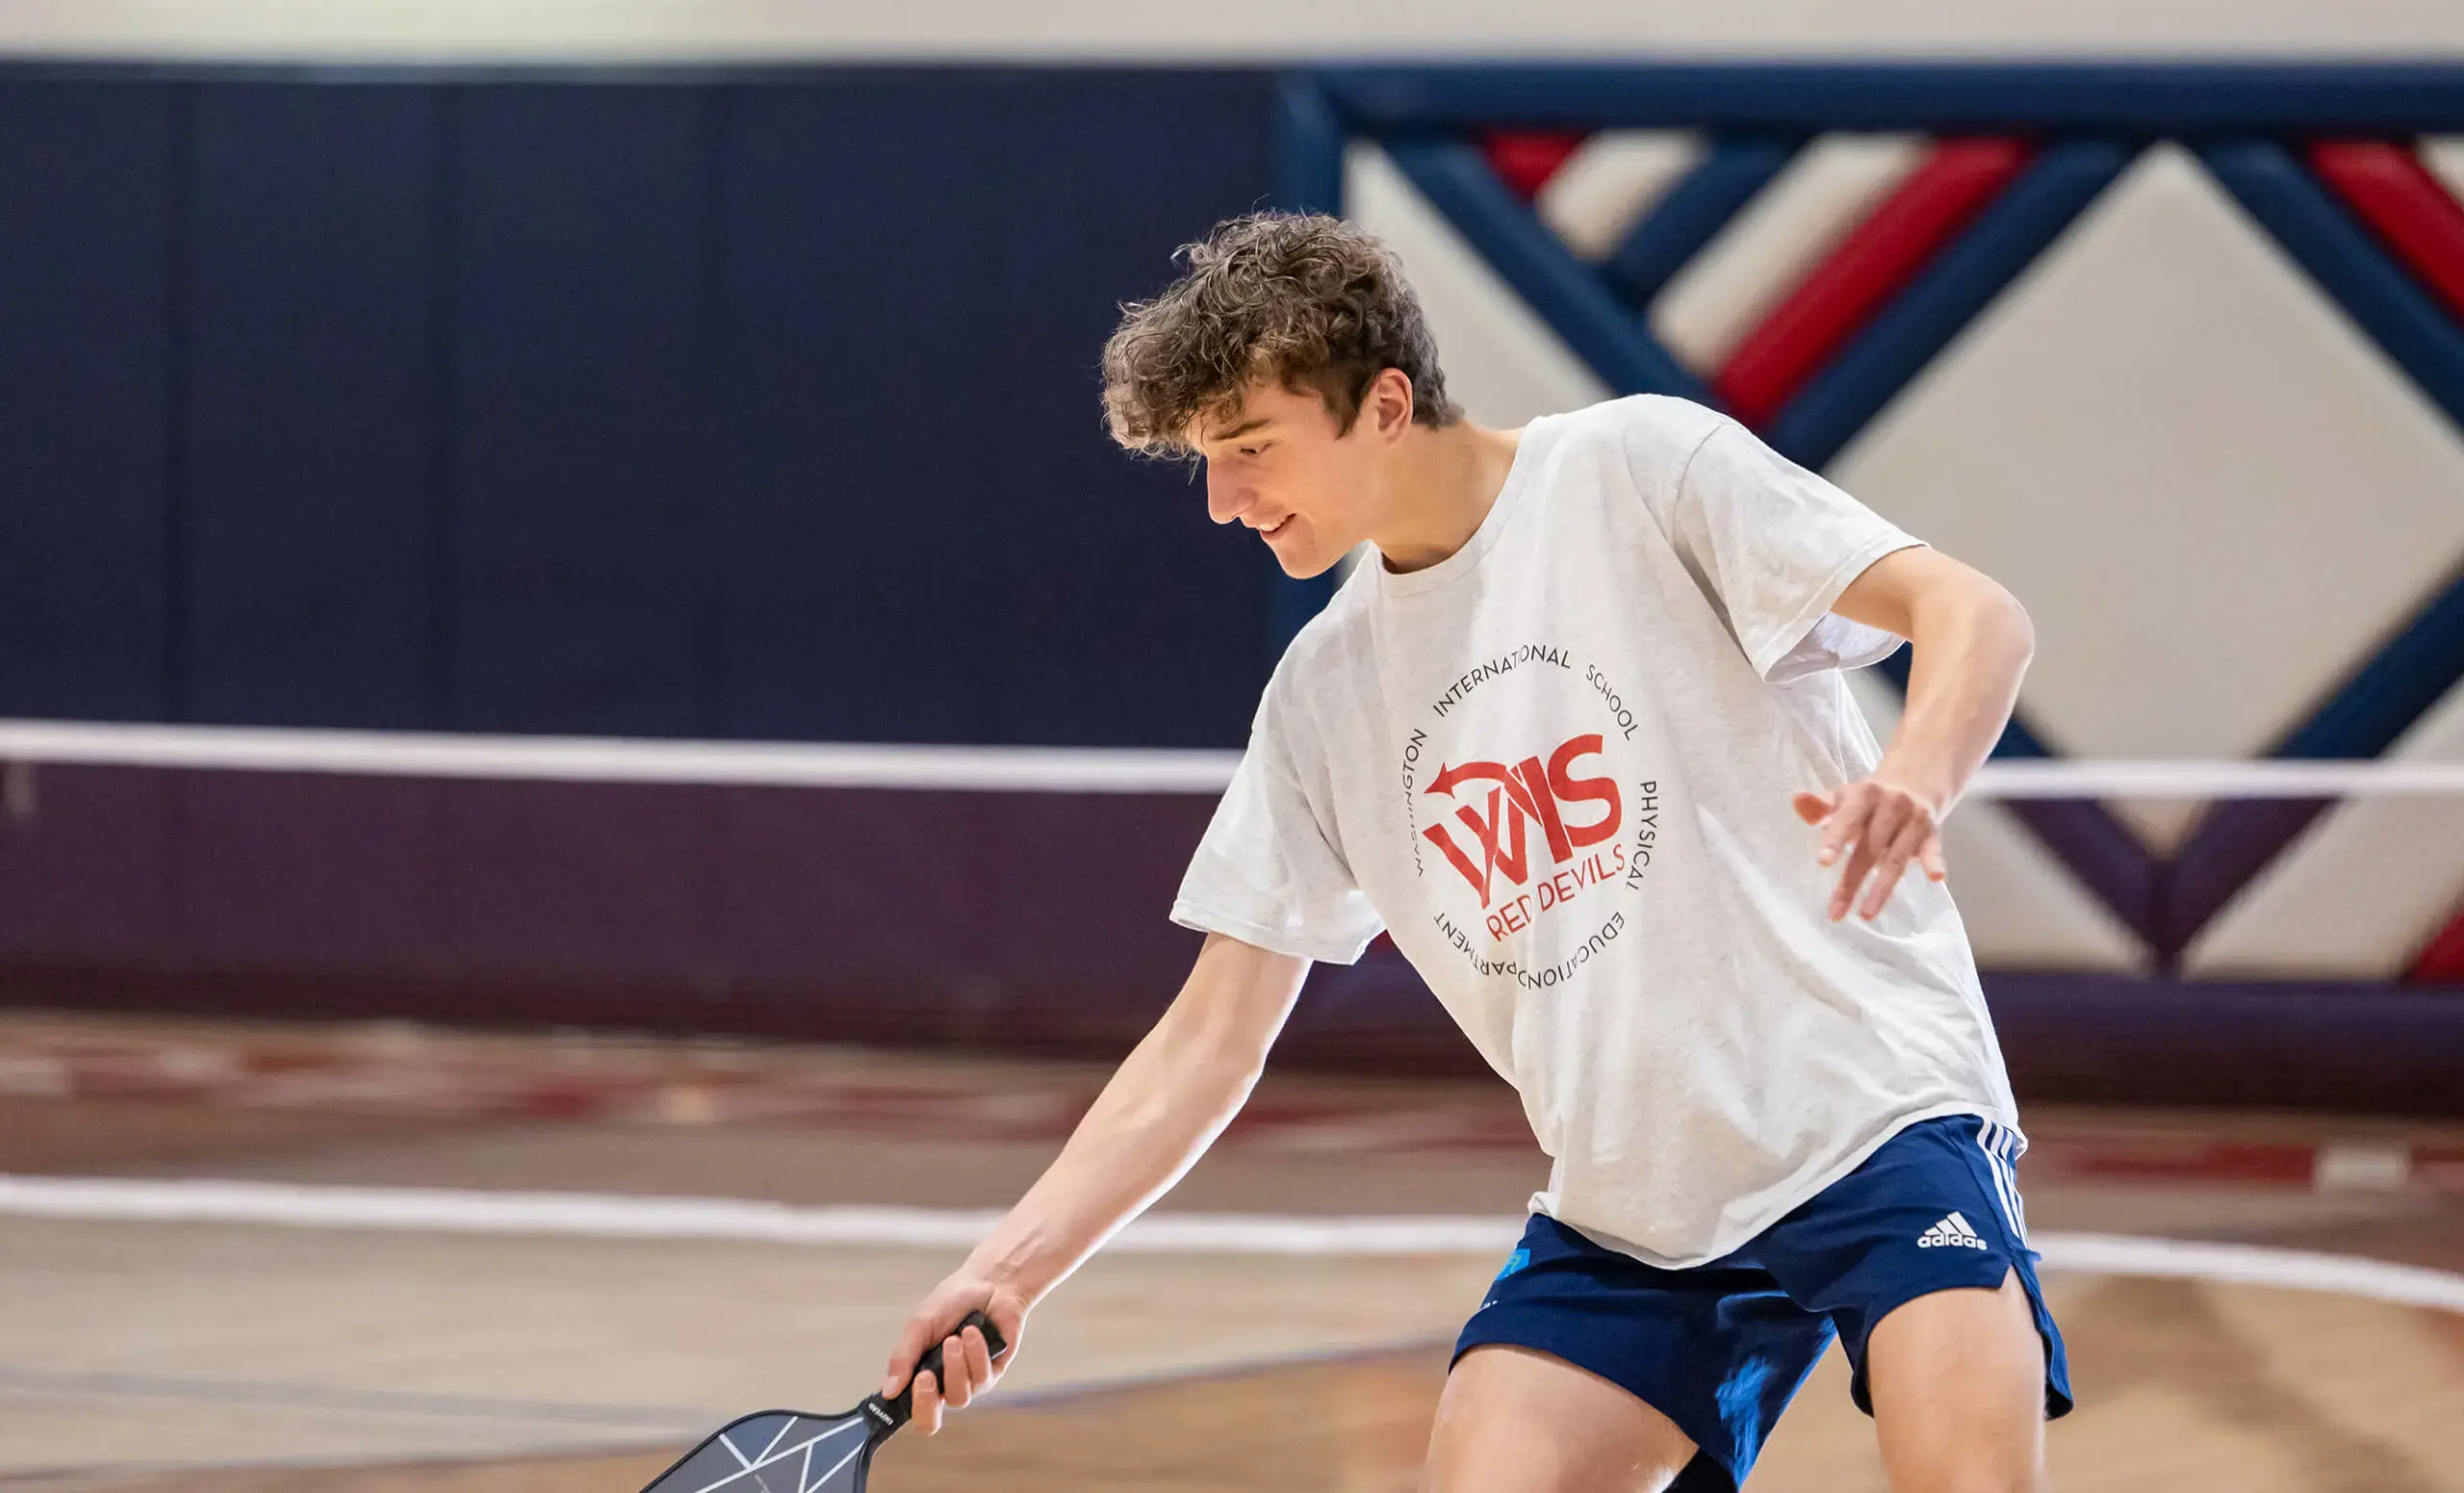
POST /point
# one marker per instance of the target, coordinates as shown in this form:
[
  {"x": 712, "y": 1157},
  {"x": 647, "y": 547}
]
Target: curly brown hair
[{"x": 1307, "y": 300}]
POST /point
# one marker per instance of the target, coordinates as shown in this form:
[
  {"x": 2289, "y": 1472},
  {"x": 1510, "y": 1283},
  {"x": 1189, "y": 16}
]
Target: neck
[{"x": 1441, "y": 485}]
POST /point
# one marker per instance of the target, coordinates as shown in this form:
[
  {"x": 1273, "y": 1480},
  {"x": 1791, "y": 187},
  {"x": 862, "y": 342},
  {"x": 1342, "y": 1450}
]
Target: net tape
[{"x": 1017, "y": 769}]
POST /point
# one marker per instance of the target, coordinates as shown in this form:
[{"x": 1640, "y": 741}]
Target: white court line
[
  {"x": 607, "y": 1216},
  {"x": 2256, "y": 1265},
  {"x": 1011, "y": 769}
]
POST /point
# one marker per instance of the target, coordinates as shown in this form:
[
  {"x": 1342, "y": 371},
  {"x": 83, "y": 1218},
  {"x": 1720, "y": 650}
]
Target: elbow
[
  {"x": 1229, "y": 1054},
  {"x": 2007, "y": 619},
  {"x": 1211, "y": 1051},
  {"x": 2012, "y": 620},
  {"x": 1977, "y": 618},
  {"x": 1235, "y": 1071},
  {"x": 1215, "y": 1078},
  {"x": 1218, "y": 1030}
]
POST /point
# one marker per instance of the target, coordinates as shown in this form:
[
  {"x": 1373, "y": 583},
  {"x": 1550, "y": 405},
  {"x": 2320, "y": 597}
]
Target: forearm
[
  {"x": 1970, "y": 646},
  {"x": 1170, "y": 1100}
]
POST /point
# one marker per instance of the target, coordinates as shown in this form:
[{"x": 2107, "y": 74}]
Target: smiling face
[
  {"x": 1280, "y": 462},
  {"x": 1250, "y": 360}
]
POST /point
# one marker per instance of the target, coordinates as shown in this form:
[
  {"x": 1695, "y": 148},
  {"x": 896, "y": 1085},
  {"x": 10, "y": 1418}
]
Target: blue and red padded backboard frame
[{"x": 2321, "y": 157}]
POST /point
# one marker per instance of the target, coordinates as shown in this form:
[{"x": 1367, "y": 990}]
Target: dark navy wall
[
  {"x": 87, "y": 217},
  {"x": 710, "y": 405},
  {"x": 308, "y": 403}
]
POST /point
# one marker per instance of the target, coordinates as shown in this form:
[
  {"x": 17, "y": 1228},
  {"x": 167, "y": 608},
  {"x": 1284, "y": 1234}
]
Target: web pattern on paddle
[{"x": 775, "y": 1452}]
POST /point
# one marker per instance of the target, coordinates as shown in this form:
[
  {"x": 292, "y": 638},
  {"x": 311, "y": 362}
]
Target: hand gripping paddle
[{"x": 790, "y": 1451}]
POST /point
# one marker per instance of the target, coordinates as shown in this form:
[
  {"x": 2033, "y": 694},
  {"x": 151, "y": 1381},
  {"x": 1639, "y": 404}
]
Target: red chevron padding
[
  {"x": 1878, "y": 259},
  {"x": 2419, "y": 220},
  {"x": 2442, "y": 959},
  {"x": 2411, "y": 208},
  {"x": 1525, "y": 159}
]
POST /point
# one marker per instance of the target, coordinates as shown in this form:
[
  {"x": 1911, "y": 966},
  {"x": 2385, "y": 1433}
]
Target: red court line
[
  {"x": 2178, "y": 1161},
  {"x": 1880, "y": 256},
  {"x": 453, "y": 1082},
  {"x": 1525, "y": 159},
  {"x": 2394, "y": 192}
]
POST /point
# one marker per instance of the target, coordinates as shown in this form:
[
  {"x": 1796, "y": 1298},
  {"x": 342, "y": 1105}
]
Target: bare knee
[
  {"x": 1957, "y": 1385},
  {"x": 1515, "y": 1421},
  {"x": 1983, "y": 1474},
  {"x": 1982, "y": 1479},
  {"x": 1978, "y": 1459}
]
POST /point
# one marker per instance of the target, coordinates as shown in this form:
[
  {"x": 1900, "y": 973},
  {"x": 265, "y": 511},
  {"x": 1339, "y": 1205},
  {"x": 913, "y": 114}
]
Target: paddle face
[
  {"x": 779, "y": 1451},
  {"x": 790, "y": 1451}
]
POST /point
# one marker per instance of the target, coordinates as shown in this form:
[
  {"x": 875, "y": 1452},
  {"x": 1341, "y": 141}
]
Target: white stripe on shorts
[{"x": 2001, "y": 1146}]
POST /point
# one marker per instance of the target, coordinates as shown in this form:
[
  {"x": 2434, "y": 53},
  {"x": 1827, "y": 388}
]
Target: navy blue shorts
[{"x": 1721, "y": 1348}]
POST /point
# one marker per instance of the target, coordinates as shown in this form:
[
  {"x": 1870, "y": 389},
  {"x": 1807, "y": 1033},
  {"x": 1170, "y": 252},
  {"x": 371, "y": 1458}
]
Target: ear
[{"x": 1388, "y": 403}]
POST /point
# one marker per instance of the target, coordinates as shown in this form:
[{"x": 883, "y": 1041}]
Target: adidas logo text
[{"x": 1952, "y": 1232}]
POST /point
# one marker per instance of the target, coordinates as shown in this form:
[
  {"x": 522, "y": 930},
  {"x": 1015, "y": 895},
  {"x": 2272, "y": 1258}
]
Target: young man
[{"x": 1563, "y": 737}]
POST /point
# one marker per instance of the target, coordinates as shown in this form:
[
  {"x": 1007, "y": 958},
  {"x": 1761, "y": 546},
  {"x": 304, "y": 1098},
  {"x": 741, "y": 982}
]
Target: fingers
[
  {"x": 1812, "y": 808},
  {"x": 1861, "y": 862},
  {"x": 958, "y": 1383},
  {"x": 966, "y": 1368},
  {"x": 1860, "y": 829},
  {"x": 1879, "y": 830},
  {"x": 966, "y": 1371},
  {"x": 1912, "y": 837},
  {"x": 979, "y": 1360},
  {"x": 1845, "y": 826},
  {"x": 912, "y": 1342}
]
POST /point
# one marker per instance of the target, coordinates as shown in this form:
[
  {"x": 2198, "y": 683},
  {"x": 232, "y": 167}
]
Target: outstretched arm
[
  {"x": 1172, "y": 1096},
  {"x": 1971, "y": 641}
]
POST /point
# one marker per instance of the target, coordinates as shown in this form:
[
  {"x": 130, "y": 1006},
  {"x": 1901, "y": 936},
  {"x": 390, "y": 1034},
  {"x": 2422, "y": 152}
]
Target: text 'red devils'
[{"x": 1530, "y": 793}]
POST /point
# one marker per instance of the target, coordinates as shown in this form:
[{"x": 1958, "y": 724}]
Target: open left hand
[{"x": 1879, "y": 826}]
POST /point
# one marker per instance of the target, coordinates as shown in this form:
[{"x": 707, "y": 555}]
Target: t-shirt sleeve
[
  {"x": 1267, "y": 872},
  {"x": 1776, "y": 544}
]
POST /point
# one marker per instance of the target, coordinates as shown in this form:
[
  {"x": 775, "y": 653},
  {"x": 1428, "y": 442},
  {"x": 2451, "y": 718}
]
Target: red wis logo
[{"x": 1519, "y": 797}]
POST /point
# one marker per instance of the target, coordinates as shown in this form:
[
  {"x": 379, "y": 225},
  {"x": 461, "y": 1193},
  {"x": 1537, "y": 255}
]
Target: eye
[{"x": 1253, "y": 451}]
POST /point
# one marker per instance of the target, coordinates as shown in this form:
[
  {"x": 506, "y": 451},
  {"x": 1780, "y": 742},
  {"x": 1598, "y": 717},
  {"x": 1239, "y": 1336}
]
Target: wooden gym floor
[{"x": 242, "y": 1355}]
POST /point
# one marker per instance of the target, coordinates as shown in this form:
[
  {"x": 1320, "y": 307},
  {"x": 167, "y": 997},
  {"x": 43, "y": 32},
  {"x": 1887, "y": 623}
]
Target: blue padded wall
[
  {"x": 853, "y": 534},
  {"x": 581, "y": 408},
  {"x": 927, "y": 524},
  {"x": 755, "y": 404},
  {"x": 86, "y": 218},
  {"x": 310, "y": 423},
  {"x": 1159, "y": 634}
]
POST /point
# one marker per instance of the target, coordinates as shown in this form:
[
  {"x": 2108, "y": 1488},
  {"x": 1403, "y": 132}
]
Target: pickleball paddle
[{"x": 791, "y": 1451}]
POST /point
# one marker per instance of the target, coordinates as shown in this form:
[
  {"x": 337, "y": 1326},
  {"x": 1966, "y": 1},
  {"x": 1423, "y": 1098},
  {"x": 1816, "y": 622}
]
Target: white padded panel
[
  {"x": 2023, "y": 910},
  {"x": 1604, "y": 187},
  {"x": 2362, "y": 890},
  {"x": 2161, "y": 824},
  {"x": 2443, "y": 155},
  {"x": 1769, "y": 246},
  {"x": 2212, "y": 494},
  {"x": 1502, "y": 364}
]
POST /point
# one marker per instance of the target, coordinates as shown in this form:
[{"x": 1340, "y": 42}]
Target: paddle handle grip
[{"x": 902, "y": 1408}]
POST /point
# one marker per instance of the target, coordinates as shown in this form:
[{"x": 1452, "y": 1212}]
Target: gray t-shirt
[{"x": 1557, "y": 766}]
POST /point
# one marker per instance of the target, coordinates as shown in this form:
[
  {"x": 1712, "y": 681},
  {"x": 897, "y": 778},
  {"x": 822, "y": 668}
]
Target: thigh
[
  {"x": 1514, "y": 1420},
  {"x": 1958, "y": 1381},
  {"x": 1933, "y": 1214},
  {"x": 1587, "y": 1368}
]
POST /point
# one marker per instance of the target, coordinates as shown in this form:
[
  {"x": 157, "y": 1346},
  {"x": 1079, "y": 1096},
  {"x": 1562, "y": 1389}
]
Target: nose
[{"x": 1226, "y": 497}]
